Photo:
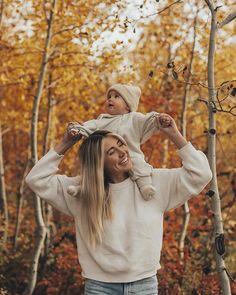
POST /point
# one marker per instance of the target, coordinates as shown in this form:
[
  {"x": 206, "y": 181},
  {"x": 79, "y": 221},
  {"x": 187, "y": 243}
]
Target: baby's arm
[
  {"x": 146, "y": 124},
  {"x": 79, "y": 129},
  {"x": 149, "y": 126}
]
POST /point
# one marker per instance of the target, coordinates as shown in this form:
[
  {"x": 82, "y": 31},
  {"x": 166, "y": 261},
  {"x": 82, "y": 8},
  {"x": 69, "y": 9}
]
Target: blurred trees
[{"x": 94, "y": 44}]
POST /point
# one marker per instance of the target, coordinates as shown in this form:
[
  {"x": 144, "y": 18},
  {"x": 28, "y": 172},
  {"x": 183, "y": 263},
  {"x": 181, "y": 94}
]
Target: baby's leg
[
  {"x": 73, "y": 190},
  {"x": 146, "y": 188},
  {"x": 141, "y": 174}
]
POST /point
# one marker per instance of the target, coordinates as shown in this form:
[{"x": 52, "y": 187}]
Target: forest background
[{"x": 58, "y": 58}]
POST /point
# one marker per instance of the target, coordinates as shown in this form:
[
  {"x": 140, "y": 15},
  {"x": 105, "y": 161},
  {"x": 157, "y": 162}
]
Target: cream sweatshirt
[{"x": 132, "y": 240}]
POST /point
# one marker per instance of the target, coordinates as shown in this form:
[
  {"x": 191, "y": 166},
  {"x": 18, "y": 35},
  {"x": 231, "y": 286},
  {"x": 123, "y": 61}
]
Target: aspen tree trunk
[
  {"x": 47, "y": 208},
  {"x": 164, "y": 89},
  {"x": 165, "y": 81},
  {"x": 41, "y": 229},
  {"x": 214, "y": 192},
  {"x": 1, "y": 11},
  {"x": 49, "y": 116},
  {"x": 183, "y": 123},
  {"x": 20, "y": 200},
  {"x": 46, "y": 134},
  {"x": 3, "y": 197}
]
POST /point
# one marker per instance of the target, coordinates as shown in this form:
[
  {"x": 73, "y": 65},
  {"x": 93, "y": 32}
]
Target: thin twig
[{"x": 158, "y": 12}]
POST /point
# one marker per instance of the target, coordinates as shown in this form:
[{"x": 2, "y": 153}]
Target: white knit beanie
[{"x": 131, "y": 94}]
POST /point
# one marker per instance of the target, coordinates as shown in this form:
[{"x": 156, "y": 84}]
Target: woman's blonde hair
[{"x": 94, "y": 190}]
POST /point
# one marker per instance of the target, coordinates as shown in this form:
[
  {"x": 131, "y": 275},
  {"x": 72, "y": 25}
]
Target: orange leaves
[
  {"x": 82, "y": 64},
  {"x": 62, "y": 265}
]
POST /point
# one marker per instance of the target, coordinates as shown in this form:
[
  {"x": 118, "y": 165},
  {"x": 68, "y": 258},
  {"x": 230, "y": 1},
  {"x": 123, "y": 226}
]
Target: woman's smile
[{"x": 124, "y": 161}]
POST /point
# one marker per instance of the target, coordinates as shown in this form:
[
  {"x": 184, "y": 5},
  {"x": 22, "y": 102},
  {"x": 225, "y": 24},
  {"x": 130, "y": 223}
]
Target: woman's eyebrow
[{"x": 120, "y": 141}]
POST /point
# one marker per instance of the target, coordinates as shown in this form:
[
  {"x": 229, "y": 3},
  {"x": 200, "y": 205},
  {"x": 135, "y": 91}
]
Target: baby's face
[{"x": 115, "y": 104}]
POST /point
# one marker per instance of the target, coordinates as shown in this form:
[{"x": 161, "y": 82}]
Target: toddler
[{"x": 121, "y": 118}]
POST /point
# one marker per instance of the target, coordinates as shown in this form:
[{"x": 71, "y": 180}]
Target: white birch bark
[
  {"x": 47, "y": 208},
  {"x": 20, "y": 200},
  {"x": 183, "y": 123},
  {"x": 41, "y": 229},
  {"x": 3, "y": 196},
  {"x": 1, "y": 11},
  {"x": 214, "y": 192}
]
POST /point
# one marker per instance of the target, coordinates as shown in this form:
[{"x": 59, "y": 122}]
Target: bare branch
[
  {"x": 230, "y": 276},
  {"x": 10, "y": 84},
  {"x": 227, "y": 20},
  {"x": 216, "y": 109},
  {"x": 203, "y": 100},
  {"x": 158, "y": 12},
  {"x": 71, "y": 28},
  {"x": 210, "y": 5},
  {"x": 192, "y": 84},
  {"x": 224, "y": 173},
  {"x": 167, "y": 7},
  {"x": 229, "y": 111},
  {"x": 5, "y": 130}
]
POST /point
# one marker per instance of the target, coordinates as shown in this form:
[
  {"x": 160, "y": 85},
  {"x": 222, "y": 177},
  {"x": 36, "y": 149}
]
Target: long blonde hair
[{"x": 94, "y": 190}]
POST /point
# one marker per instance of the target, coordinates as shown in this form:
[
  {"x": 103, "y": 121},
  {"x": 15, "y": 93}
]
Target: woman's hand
[
  {"x": 168, "y": 126},
  {"x": 73, "y": 132},
  {"x": 68, "y": 140}
]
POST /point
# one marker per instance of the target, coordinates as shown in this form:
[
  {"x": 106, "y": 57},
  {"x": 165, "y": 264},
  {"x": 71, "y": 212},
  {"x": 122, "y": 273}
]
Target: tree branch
[
  {"x": 5, "y": 130},
  {"x": 227, "y": 20},
  {"x": 156, "y": 13},
  {"x": 71, "y": 28},
  {"x": 210, "y": 4}
]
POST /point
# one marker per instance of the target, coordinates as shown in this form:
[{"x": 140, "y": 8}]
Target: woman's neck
[{"x": 118, "y": 178}]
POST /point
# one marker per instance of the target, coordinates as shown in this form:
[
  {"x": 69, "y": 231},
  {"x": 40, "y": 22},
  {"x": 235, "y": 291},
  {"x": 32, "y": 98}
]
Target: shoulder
[
  {"x": 136, "y": 117},
  {"x": 143, "y": 116},
  {"x": 135, "y": 114}
]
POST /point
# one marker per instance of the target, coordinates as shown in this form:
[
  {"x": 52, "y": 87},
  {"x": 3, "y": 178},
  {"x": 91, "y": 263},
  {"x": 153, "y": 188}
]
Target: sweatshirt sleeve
[
  {"x": 86, "y": 128},
  {"x": 48, "y": 185},
  {"x": 147, "y": 125},
  {"x": 91, "y": 125},
  {"x": 178, "y": 185}
]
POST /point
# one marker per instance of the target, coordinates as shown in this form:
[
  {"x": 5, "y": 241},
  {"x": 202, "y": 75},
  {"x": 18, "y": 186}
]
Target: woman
[{"x": 119, "y": 235}]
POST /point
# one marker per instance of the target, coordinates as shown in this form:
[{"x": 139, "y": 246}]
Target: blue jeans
[{"x": 146, "y": 286}]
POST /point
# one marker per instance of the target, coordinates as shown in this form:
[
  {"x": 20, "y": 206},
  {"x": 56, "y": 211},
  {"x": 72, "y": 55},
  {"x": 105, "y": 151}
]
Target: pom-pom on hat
[{"x": 131, "y": 94}]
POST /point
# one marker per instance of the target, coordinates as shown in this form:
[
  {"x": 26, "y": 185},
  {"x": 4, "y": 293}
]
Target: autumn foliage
[{"x": 92, "y": 45}]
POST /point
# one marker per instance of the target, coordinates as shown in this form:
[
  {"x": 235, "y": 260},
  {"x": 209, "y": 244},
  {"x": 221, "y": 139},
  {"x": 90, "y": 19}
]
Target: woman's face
[{"x": 117, "y": 162}]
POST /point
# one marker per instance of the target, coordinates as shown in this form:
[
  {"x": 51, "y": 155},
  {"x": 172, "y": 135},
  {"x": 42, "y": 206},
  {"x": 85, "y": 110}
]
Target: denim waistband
[{"x": 147, "y": 286}]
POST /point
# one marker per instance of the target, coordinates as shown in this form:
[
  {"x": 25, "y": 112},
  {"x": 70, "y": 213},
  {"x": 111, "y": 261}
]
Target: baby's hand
[
  {"x": 72, "y": 131},
  {"x": 166, "y": 124},
  {"x": 164, "y": 120}
]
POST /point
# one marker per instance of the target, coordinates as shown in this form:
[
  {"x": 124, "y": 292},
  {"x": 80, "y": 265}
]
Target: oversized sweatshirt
[
  {"x": 135, "y": 128},
  {"x": 132, "y": 240}
]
